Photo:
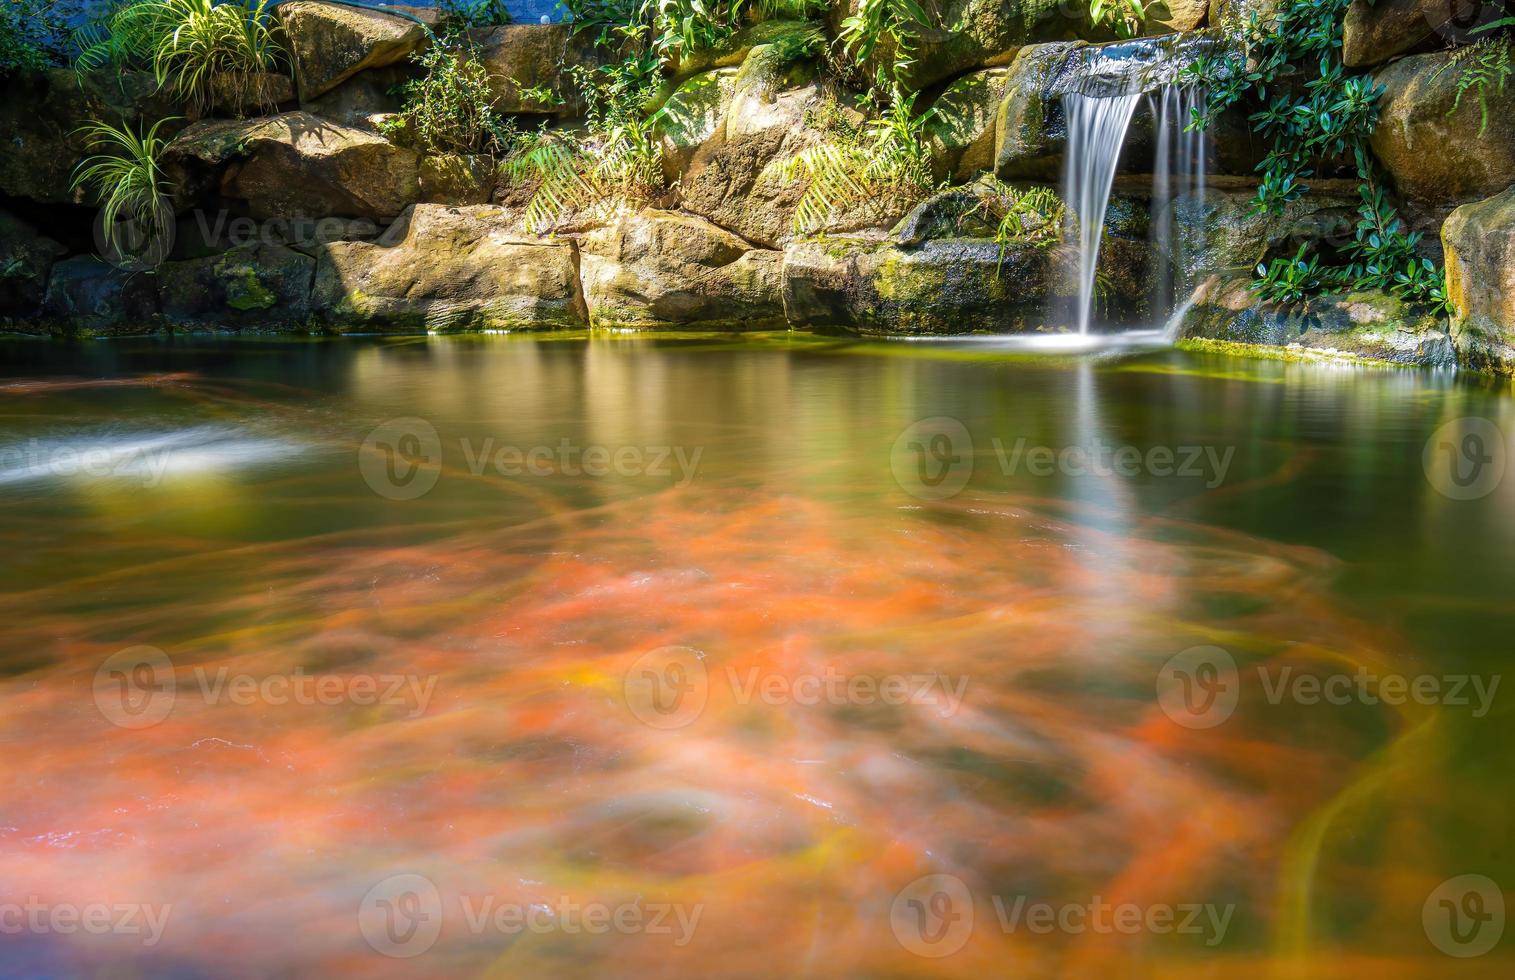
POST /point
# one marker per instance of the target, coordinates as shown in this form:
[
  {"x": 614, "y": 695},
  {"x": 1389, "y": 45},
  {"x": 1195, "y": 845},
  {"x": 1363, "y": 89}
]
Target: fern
[{"x": 1484, "y": 66}]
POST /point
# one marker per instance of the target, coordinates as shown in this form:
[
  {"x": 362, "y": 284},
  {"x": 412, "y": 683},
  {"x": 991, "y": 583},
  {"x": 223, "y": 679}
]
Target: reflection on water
[{"x": 671, "y": 671}]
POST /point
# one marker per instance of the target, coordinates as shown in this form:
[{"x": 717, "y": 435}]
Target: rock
[
  {"x": 1479, "y": 240},
  {"x": 661, "y": 268},
  {"x": 40, "y": 117},
  {"x": 85, "y": 294},
  {"x": 1365, "y": 324},
  {"x": 1183, "y": 15},
  {"x": 962, "y": 131},
  {"x": 457, "y": 179},
  {"x": 951, "y": 286},
  {"x": 1437, "y": 155},
  {"x": 238, "y": 95},
  {"x": 534, "y": 56},
  {"x": 693, "y": 116},
  {"x": 329, "y": 43},
  {"x": 363, "y": 101},
  {"x": 1378, "y": 30},
  {"x": 294, "y": 165},
  {"x": 1221, "y": 233},
  {"x": 440, "y": 268},
  {"x": 258, "y": 286},
  {"x": 733, "y": 50},
  {"x": 26, "y": 258}
]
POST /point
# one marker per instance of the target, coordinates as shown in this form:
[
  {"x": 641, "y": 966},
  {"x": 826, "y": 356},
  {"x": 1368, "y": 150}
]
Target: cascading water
[
  {"x": 1099, "y": 110},
  {"x": 1096, "y": 133}
]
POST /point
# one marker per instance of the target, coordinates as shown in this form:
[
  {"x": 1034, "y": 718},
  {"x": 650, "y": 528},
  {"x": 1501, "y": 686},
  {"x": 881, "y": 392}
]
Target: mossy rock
[
  {"x": 255, "y": 286},
  {"x": 1479, "y": 240}
]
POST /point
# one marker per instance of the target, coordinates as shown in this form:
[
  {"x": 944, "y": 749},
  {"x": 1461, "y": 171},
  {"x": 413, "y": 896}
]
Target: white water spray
[{"x": 1096, "y": 133}]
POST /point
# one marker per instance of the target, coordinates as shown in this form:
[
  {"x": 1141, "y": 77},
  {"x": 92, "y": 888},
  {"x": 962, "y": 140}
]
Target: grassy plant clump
[
  {"x": 191, "y": 46},
  {"x": 450, "y": 109},
  {"x": 886, "y": 162},
  {"x": 1313, "y": 113},
  {"x": 127, "y": 180}
]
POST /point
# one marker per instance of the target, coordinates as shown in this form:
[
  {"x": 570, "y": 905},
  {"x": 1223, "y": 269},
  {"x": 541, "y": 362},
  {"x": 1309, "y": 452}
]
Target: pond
[{"x": 749, "y": 656}]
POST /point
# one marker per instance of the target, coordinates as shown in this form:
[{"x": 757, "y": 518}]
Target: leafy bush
[
  {"x": 1126, "y": 18},
  {"x": 1313, "y": 113},
  {"x": 886, "y": 160},
  {"x": 189, "y": 45},
  {"x": 474, "y": 13},
  {"x": 32, "y": 35},
  {"x": 127, "y": 180},
  {"x": 450, "y": 109}
]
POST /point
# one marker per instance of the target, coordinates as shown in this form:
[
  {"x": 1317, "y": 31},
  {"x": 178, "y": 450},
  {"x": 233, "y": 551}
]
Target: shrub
[
  {"x": 189, "y": 45},
  {"x": 32, "y": 35},
  {"x": 127, "y": 181},
  {"x": 451, "y": 108}
]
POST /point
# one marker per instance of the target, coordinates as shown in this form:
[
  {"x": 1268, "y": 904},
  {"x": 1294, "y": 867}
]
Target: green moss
[
  {"x": 1273, "y": 352},
  {"x": 244, "y": 291}
]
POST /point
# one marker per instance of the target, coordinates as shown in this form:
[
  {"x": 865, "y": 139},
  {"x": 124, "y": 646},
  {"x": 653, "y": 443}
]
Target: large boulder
[
  {"x": 87, "y": 295},
  {"x": 1438, "y": 155},
  {"x": 1479, "y": 240},
  {"x": 256, "y": 286},
  {"x": 1183, "y": 15},
  {"x": 1371, "y": 325},
  {"x": 950, "y": 286},
  {"x": 1378, "y": 30},
  {"x": 330, "y": 43},
  {"x": 40, "y": 117},
  {"x": 294, "y": 165},
  {"x": 1221, "y": 233},
  {"x": 733, "y": 177},
  {"x": 962, "y": 128},
  {"x": 441, "y": 268},
  {"x": 1031, "y": 129},
  {"x": 364, "y": 101},
  {"x": 522, "y": 57},
  {"x": 661, "y": 268},
  {"x": 693, "y": 116},
  {"x": 26, "y": 258}
]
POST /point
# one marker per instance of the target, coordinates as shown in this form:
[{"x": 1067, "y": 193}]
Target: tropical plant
[
  {"x": 191, "y": 46},
  {"x": 886, "y": 161},
  {"x": 450, "y": 109},
  {"x": 895, "y": 24},
  {"x": 1314, "y": 114},
  {"x": 1483, "y": 67},
  {"x": 127, "y": 180},
  {"x": 1126, "y": 18},
  {"x": 474, "y": 13},
  {"x": 1023, "y": 217},
  {"x": 612, "y": 168}
]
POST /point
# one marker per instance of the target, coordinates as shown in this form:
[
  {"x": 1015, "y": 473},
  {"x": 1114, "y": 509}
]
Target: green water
[{"x": 525, "y": 524}]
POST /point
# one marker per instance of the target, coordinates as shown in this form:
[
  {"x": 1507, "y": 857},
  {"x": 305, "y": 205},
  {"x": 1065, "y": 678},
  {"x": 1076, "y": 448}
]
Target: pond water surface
[{"x": 769, "y": 656}]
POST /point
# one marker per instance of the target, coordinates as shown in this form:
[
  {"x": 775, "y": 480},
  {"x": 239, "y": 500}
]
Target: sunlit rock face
[
  {"x": 1480, "y": 252},
  {"x": 329, "y": 43},
  {"x": 441, "y": 268}
]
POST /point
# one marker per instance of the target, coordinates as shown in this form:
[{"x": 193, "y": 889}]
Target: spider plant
[
  {"x": 127, "y": 179},
  {"x": 199, "y": 49}
]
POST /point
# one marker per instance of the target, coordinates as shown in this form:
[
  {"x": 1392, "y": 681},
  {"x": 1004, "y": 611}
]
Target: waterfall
[
  {"x": 1178, "y": 170},
  {"x": 1096, "y": 133},
  {"x": 1097, "y": 128}
]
